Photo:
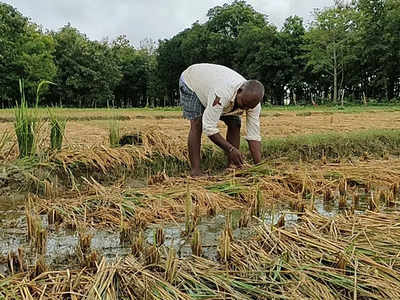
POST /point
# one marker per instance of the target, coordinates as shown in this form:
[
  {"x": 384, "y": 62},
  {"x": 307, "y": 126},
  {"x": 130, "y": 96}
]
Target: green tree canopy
[
  {"x": 88, "y": 71},
  {"x": 25, "y": 53},
  {"x": 350, "y": 49},
  {"x": 329, "y": 42}
]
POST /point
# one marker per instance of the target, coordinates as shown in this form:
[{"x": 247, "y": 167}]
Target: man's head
[{"x": 249, "y": 94}]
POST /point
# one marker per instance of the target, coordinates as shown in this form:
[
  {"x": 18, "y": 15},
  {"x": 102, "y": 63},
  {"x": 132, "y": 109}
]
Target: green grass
[
  {"x": 6, "y": 115},
  {"x": 376, "y": 143},
  {"x": 25, "y": 125},
  {"x": 27, "y": 121},
  {"x": 114, "y": 131},
  {"x": 333, "y": 109},
  {"x": 57, "y": 129}
]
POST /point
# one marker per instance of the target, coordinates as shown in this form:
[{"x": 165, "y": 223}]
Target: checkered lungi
[{"x": 193, "y": 108}]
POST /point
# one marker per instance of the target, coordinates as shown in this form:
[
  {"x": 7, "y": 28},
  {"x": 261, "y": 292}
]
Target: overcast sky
[{"x": 140, "y": 19}]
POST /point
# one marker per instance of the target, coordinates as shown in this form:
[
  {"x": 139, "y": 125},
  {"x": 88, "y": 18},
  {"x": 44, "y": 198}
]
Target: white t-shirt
[{"x": 209, "y": 81}]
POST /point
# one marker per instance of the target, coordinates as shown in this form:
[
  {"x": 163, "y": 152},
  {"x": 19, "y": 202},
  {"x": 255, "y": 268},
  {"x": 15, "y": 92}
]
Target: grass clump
[
  {"x": 334, "y": 145},
  {"x": 114, "y": 132},
  {"x": 26, "y": 121},
  {"x": 57, "y": 125}
]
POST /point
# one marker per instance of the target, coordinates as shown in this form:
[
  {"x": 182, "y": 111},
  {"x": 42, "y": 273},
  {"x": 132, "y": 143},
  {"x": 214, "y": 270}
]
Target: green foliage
[
  {"x": 114, "y": 132},
  {"x": 37, "y": 59},
  {"x": 225, "y": 24},
  {"x": 57, "y": 129},
  {"x": 292, "y": 36},
  {"x": 87, "y": 70},
  {"x": 134, "y": 66},
  {"x": 25, "y": 52},
  {"x": 170, "y": 64},
  {"x": 229, "y": 18},
  {"x": 375, "y": 143},
  {"x": 25, "y": 126},
  {"x": 351, "y": 49},
  {"x": 263, "y": 56},
  {"x": 27, "y": 121},
  {"x": 329, "y": 44},
  {"x": 194, "y": 44},
  {"x": 12, "y": 31}
]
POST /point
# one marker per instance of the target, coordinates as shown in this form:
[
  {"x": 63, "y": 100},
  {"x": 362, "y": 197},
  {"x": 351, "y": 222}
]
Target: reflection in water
[{"x": 62, "y": 244}]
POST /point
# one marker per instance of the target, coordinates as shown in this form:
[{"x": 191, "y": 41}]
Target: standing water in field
[{"x": 62, "y": 244}]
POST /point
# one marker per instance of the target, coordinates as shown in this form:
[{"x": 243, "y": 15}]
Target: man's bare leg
[
  {"x": 233, "y": 136},
  {"x": 194, "y": 145}
]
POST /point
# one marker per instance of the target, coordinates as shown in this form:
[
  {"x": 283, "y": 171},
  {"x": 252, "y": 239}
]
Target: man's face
[{"x": 245, "y": 100}]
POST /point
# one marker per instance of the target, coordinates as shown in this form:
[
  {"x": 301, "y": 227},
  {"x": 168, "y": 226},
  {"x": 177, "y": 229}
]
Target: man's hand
[{"x": 235, "y": 157}]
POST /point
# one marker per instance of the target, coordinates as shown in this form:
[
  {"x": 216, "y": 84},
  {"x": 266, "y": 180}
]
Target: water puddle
[{"x": 62, "y": 245}]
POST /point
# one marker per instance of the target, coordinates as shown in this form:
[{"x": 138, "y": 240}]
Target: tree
[
  {"x": 229, "y": 18},
  {"x": 88, "y": 71},
  {"x": 353, "y": 47},
  {"x": 377, "y": 48},
  {"x": 37, "y": 58},
  {"x": 260, "y": 55},
  {"x": 25, "y": 53},
  {"x": 329, "y": 41},
  {"x": 170, "y": 64},
  {"x": 391, "y": 57},
  {"x": 194, "y": 44},
  {"x": 12, "y": 32},
  {"x": 154, "y": 83},
  {"x": 225, "y": 25},
  {"x": 134, "y": 64},
  {"x": 148, "y": 45},
  {"x": 216, "y": 41},
  {"x": 292, "y": 35}
]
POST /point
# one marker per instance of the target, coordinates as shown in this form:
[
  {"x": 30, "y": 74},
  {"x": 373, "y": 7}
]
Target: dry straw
[{"x": 346, "y": 257}]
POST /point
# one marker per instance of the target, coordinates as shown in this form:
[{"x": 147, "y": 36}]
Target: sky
[{"x": 147, "y": 19}]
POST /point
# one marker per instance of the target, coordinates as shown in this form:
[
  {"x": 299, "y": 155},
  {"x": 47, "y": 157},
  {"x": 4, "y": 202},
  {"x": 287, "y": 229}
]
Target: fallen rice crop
[
  {"x": 296, "y": 186},
  {"x": 348, "y": 257}
]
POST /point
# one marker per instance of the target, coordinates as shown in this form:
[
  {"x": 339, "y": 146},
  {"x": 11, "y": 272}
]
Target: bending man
[{"x": 209, "y": 93}]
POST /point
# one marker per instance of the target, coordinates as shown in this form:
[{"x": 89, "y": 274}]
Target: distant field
[
  {"x": 175, "y": 111},
  {"x": 90, "y": 126}
]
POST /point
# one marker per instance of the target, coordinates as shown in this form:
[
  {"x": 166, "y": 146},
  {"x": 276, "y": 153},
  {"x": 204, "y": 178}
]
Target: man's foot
[
  {"x": 230, "y": 165},
  {"x": 196, "y": 173}
]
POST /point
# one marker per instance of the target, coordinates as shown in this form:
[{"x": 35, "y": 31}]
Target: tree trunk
[
  {"x": 390, "y": 88},
  {"x": 335, "y": 76},
  {"x": 342, "y": 97}
]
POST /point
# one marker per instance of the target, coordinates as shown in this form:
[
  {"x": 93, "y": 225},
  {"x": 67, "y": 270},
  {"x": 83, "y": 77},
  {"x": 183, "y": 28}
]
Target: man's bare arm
[
  {"x": 221, "y": 142},
  {"x": 234, "y": 154}
]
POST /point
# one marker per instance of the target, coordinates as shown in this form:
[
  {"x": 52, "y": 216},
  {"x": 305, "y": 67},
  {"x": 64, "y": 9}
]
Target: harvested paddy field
[
  {"x": 317, "y": 219},
  {"x": 91, "y": 126}
]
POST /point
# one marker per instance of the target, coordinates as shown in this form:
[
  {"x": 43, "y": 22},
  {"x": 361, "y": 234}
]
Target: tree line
[{"x": 349, "y": 52}]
